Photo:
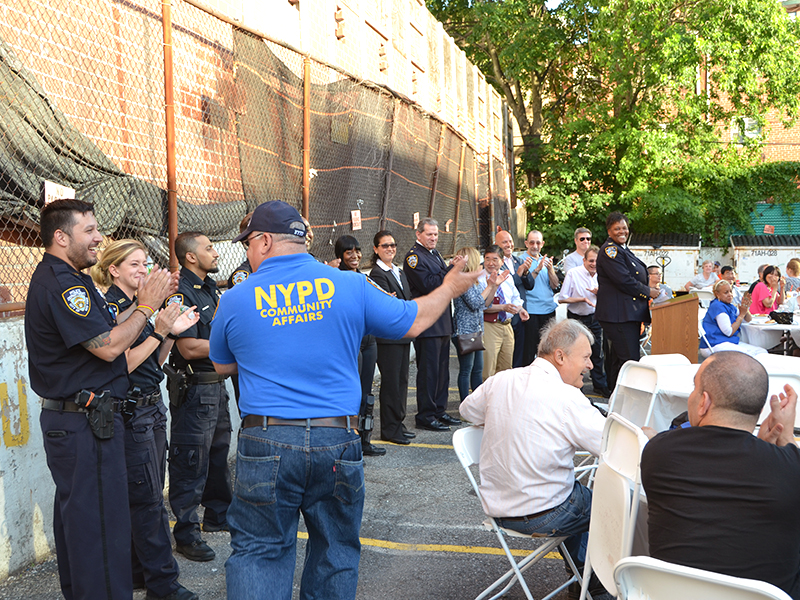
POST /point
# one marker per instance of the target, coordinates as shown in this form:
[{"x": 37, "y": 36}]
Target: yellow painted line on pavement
[
  {"x": 455, "y": 389},
  {"x": 302, "y": 535},
  {"x": 440, "y": 446}
]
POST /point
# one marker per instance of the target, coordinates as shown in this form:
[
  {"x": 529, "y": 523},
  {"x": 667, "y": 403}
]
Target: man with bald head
[
  {"x": 720, "y": 498},
  {"x": 519, "y": 267},
  {"x": 539, "y": 299}
]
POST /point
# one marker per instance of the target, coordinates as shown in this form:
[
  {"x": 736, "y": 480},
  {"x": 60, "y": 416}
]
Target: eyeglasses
[
  {"x": 386, "y": 246},
  {"x": 246, "y": 242},
  {"x": 584, "y": 239}
]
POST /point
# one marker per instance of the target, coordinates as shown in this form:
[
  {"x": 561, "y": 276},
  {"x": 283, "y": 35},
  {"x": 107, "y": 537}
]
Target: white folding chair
[
  {"x": 665, "y": 359},
  {"x": 781, "y": 370},
  {"x": 615, "y": 501},
  {"x": 646, "y": 578},
  {"x": 634, "y": 394},
  {"x": 467, "y": 445}
]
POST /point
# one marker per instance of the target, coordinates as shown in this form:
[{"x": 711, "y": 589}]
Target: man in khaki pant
[{"x": 498, "y": 336}]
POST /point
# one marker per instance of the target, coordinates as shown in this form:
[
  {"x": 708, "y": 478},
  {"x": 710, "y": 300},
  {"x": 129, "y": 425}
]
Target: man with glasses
[
  {"x": 200, "y": 431},
  {"x": 583, "y": 239},
  {"x": 292, "y": 332},
  {"x": 539, "y": 300}
]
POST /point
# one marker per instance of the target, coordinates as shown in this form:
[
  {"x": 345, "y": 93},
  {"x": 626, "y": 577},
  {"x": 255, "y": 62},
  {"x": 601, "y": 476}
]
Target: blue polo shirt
[
  {"x": 539, "y": 300},
  {"x": 294, "y": 327}
]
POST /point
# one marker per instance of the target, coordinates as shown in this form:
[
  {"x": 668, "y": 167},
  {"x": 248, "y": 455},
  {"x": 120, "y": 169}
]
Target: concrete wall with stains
[{"x": 26, "y": 487}]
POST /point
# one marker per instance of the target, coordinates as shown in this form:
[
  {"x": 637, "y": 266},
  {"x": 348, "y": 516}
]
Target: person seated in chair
[
  {"x": 722, "y": 321},
  {"x": 535, "y": 418},
  {"x": 719, "y": 498}
]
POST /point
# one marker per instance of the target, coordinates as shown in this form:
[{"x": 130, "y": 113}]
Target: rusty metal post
[
  {"x": 458, "y": 194},
  {"x": 169, "y": 112},
  {"x": 491, "y": 196},
  {"x": 306, "y": 136},
  {"x": 389, "y": 165},
  {"x": 435, "y": 183}
]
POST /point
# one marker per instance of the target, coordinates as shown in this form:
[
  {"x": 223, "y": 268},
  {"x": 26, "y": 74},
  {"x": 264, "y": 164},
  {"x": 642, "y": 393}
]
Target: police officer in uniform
[
  {"x": 200, "y": 432},
  {"x": 77, "y": 365},
  {"x": 425, "y": 270},
  {"x": 622, "y": 297},
  {"x": 122, "y": 265}
]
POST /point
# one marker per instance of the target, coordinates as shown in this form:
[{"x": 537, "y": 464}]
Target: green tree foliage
[{"x": 635, "y": 103}]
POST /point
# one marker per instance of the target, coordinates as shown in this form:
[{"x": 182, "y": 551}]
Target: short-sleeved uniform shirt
[
  {"x": 240, "y": 274},
  {"x": 63, "y": 310},
  {"x": 295, "y": 328},
  {"x": 204, "y": 294},
  {"x": 148, "y": 375}
]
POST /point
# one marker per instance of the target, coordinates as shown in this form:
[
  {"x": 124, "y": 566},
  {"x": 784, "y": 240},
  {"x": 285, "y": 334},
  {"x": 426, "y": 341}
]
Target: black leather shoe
[
  {"x": 403, "y": 441},
  {"x": 198, "y": 551},
  {"x": 448, "y": 420},
  {"x": 602, "y": 391},
  {"x": 214, "y": 527},
  {"x": 409, "y": 434},
  {"x": 372, "y": 450},
  {"x": 433, "y": 426},
  {"x": 180, "y": 594}
]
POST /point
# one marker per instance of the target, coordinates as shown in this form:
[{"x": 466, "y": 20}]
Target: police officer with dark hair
[
  {"x": 201, "y": 423},
  {"x": 77, "y": 365},
  {"x": 623, "y": 296}
]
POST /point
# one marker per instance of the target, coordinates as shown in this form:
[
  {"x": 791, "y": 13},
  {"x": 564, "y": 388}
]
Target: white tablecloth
[{"x": 767, "y": 336}]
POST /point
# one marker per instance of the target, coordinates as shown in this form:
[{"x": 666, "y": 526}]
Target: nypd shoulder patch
[
  {"x": 375, "y": 285},
  {"x": 411, "y": 260},
  {"x": 175, "y": 299},
  {"x": 611, "y": 251},
  {"x": 77, "y": 300},
  {"x": 239, "y": 276}
]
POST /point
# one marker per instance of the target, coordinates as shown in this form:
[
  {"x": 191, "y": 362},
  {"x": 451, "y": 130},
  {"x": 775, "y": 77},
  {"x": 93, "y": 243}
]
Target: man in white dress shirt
[
  {"x": 579, "y": 292},
  {"x": 535, "y": 418},
  {"x": 519, "y": 268}
]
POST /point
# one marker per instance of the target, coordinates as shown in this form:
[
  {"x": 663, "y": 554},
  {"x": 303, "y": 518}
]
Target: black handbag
[
  {"x": 782, "y": 318},
  {"x": 469, "y": 342}
]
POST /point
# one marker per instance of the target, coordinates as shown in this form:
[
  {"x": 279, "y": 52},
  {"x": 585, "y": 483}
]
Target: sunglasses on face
[
  {"x": 386, "y": 246},
  {"x": 585, "y": 238},
  {"x": 246, "y": 242}
]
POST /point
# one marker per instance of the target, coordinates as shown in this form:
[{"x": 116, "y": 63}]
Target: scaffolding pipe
[
  {"x": 169, "y": 114},
  {"x": 458, "y": 194},
  {"x": 306, "y": 136}
]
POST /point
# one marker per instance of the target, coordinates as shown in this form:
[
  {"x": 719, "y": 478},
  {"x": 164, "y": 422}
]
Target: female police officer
[{"x": 121, "y": 266}]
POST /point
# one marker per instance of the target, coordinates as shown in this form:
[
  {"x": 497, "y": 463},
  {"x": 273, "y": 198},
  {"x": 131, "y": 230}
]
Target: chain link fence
[{"x": 82, "y": 106}]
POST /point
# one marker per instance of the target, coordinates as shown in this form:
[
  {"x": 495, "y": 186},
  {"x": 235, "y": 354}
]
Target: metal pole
[
  {"x": 389, "y": 165},
  {"x": 436, "y": 171},
  {"x": 306, "y": 135},
  {"x": 169, "y": 113},
  {"x": 458, "y": 193}
]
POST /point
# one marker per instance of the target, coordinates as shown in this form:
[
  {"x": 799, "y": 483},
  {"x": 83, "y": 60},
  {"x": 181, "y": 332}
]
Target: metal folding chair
[{"x": 467, "y": 445}]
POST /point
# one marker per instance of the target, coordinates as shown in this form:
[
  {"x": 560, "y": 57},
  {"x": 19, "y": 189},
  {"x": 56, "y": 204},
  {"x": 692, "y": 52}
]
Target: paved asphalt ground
[{"x": 421, "y": 534}]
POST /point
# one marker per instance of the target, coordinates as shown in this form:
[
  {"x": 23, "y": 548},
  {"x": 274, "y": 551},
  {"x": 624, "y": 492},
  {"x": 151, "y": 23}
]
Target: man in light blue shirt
[{"x": 539, "y": 301}]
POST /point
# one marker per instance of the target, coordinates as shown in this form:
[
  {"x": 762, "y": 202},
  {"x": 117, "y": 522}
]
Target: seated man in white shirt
[
  {"x": 535, "y": 418},
  {"x": 728, "y": 274}
]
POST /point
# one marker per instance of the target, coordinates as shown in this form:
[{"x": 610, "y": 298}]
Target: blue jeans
[
  {"x": 570, "y": 518},
  {"x": 282, "y": 471},
  {"x": 470, "y": 372}
]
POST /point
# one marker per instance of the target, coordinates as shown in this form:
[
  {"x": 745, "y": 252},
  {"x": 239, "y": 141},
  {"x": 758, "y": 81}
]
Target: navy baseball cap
[{"x": 274, "y": 216}]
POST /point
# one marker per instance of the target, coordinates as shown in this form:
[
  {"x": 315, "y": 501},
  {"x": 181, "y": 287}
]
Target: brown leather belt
[
  {"x": 348, "y": 422},
  {"x": 529, "y": 517}
]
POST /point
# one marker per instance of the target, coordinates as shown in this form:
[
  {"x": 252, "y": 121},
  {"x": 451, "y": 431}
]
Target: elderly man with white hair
[{"x": 535, "y": 418}]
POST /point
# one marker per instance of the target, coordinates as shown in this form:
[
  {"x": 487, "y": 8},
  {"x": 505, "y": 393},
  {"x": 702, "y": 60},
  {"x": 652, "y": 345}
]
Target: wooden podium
[{"x": 675, "y": 327}]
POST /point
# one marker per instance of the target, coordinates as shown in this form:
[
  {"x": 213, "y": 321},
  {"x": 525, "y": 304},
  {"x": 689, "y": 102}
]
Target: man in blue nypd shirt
[
  {"x": 292, "y": 330},
  {"x": 74, "y": 344}
]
